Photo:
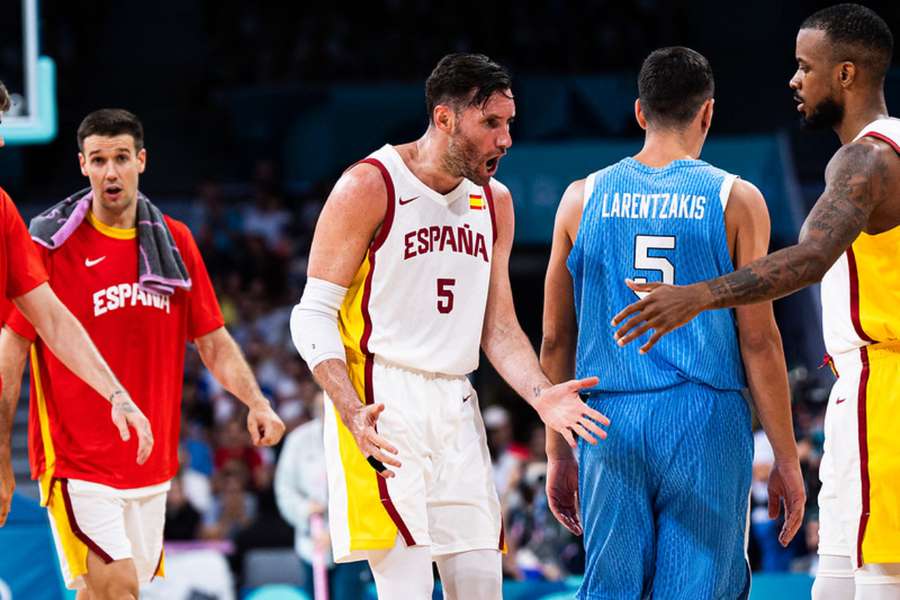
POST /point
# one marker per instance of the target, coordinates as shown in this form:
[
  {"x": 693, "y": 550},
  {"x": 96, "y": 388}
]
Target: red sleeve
[
  {"x": 205, "y": 314},
  {"x": 24, "y": 268},
  {"x": 16, "y": 320}
]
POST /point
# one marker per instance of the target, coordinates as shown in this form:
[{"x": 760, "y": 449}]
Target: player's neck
[
  {"x": 662, "y": 148},
  {"x": 119, "y": 220},
  {"x": 858, "y": 116},
  {"x": 424, "y": 158}
]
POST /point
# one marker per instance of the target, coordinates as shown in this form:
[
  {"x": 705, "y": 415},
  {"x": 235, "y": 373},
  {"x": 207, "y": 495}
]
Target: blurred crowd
[{"x": 255, "y": 241}]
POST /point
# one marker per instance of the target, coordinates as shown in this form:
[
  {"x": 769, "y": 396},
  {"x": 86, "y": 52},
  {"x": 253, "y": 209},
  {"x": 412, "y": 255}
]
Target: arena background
[{"x": 251, "y": 111}]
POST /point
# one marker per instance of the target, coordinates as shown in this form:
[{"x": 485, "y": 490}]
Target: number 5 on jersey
[
  {"x": 445, "y": 295},
  {"x": 644, "y": 262}
]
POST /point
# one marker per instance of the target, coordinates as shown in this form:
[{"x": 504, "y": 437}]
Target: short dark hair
[
  {"x": 110, "y": 122},
  {"x": 5, "y": 100},
  {"x": 463, "y": 80},
  {"x": 857, "y": 34},
  {"x": 673, "y": 84}
]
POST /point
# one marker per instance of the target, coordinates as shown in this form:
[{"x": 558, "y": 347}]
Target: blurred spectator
[
  {"x": 233, "y": 509},
  {"x": 301, "y": 490},
  {"x": 505, "y": 456},
  {"x": 235, "y": 447},
  {"x": 182, "y": 519},
  {"x": 195, "y": 486}
]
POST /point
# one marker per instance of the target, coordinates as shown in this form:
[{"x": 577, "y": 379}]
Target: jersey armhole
[
  {"x": 588, "y": 189},
  {"x": 725, "y": 190},
  {"x": 389, "y": 212}
]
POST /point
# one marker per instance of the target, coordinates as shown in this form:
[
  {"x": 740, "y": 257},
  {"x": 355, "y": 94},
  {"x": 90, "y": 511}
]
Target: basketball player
[
  {"x": 851, "y": 243},
  {"x": 107, "y": 515},
  {"x": 408, "y": 275},
  {"x": 665, "y": 518},
  {"x": 23, "y": 282}
]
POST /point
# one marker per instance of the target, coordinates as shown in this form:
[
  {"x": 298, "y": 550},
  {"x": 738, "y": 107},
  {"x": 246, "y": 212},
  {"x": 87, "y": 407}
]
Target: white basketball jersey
[
  {"x": 418, "y": 300},
  {"x": 861, "y": 291}
]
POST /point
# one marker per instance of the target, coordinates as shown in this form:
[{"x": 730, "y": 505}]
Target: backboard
[{"x": 29, "y": 77}]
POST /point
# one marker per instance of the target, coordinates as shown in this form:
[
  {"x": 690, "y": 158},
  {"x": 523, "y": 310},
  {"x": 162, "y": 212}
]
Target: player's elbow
[
  {"x": 759, "y": 342},
  {"x": 554, "y": 342}
]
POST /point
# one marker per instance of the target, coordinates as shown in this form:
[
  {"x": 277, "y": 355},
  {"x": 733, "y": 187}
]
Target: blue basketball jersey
[{"x": 649, "y": 224}]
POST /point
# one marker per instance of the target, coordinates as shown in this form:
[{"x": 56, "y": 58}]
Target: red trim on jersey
[
  {"x": 489, "y": 196},
  {"x": 854, "y": 296},
  {"x": 391, "y": 200},
  {"x": 884, "y": 139},
  {"x": 502, "y": 536},
  {"x": 64, "y": 486},
  {"x": 863, "y": 452}
]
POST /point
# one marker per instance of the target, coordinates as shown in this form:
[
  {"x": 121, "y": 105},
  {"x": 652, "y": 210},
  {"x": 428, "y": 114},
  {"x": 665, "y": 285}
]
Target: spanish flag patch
[{"x": 476, "y": 202}]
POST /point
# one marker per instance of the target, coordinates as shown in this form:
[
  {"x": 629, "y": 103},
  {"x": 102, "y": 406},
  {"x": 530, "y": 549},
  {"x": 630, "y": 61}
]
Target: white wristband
[{"x": 314, "y": 327}]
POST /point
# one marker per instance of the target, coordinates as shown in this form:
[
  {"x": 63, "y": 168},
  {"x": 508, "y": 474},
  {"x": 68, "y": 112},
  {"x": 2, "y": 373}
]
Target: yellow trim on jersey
[
  {"x": 879, "y": 284},
  {"x": 881, "y": 543},
  {"x": 118, "y": 233},
  {"x": 368, "y": 523},
  {"x": 46, "y": 478}
]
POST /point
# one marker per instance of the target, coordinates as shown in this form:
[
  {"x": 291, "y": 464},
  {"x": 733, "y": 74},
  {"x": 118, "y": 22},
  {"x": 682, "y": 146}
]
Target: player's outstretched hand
[
  {"x": 265, "y": 426},
  {"x": 7, "y": 485},
  {"x": 664, "y": 308},
  {"x": 562, "y": 492},
  {"x": 377, "y": 450},
  {"x": 561, "y": 408},
  {"x": 125, "y": 413},
  {"x": 786, "y": 488}
]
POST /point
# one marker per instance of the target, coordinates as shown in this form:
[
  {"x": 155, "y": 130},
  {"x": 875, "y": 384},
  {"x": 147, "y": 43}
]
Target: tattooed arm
[{"x": 855, "y": 184}]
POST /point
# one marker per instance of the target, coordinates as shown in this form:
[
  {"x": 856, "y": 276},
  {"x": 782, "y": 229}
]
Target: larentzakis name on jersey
[
  {"x": 128, "y": 294},
  {"x": 461, "y": 240},
  {"x": 653, "y": 206}
]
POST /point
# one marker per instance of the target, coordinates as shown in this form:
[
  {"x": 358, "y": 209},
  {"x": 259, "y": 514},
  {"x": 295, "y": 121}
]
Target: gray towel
[{"x": 160, "y": 267}]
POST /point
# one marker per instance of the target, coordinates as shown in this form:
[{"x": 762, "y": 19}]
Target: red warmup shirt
[
  {"x": 21, "y": 269},
  {"x": 141, "y": 335}
]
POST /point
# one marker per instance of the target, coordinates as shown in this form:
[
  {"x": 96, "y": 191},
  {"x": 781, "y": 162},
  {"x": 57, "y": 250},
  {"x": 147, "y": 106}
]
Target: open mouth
[
  {"x": 799, "y": 102},
  {"x": 112, "y": 191},
  {"x": 492, "y": 164}
]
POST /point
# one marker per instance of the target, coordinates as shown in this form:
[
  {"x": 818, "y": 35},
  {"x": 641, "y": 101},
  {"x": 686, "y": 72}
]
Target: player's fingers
[
  {"x": 382, "y": 443},
  {"x": 595, "y": 415},
  {"x": 658, "y": 333},
  {"x": 567, "y": 435},
  {"x": 145, "y": 440},
  {"x": 384, "y": 457},
  {"x": 253, "y": 427},
  {"x": 642, "y": 287},
  {"x": 583, "y": 434},
  {"x": 635, "y": 334},
  {"x": 774, "y": 504},
  {"x": 628, "y": 310},
  {"x": 122, "y": 425},
  {"x": 566, "y": 520},
  {"x": 593, "y": 428},
  {"x": 580, "y": 384},
  {"x": 629, "y": 325}
]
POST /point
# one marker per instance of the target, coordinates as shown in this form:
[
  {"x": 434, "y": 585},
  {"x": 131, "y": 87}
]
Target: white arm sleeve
[{"x": 314, "y": 327}]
